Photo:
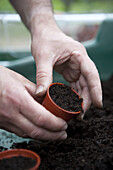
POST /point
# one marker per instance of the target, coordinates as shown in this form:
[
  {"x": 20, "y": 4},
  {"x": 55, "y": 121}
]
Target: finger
[
  {"x": 73, "y": 85},
  {"x": 79, "y": 89},
  {"x": 86, "y": 97},
  {"x": 91, "y": 75},
  {"x": 86, "y": 103},
  {"x": 13, "y": 129},
  {"x": 36, "y": 132},
  {"x": 39, "y": 116},
  {"x": 85, "y": 93},
  {"x": 76, "y": 86},
  {"x": 43, "y": 75},
  {"x": 30, "y": 86}
]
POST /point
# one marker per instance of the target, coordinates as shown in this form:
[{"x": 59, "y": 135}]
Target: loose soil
[
  {"x": 65, "y": 97},
  {"x": 17, "y": 163},
  {"x": 89, "y": 145}
]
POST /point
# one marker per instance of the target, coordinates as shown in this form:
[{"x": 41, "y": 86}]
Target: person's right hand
[{"x": 21, "y": 114}]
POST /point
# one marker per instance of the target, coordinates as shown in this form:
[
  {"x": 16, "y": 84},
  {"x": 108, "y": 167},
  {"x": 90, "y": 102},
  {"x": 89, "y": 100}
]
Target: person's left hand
[{"x": 53, "y": 49}]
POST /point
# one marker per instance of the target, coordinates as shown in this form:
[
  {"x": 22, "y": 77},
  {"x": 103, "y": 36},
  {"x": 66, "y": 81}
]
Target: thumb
[{"x": 44, "y": 76}]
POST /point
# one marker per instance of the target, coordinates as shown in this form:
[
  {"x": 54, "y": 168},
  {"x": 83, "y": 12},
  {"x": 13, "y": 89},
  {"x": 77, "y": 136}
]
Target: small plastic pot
[
  {"x": 50, "y": 105},
  {"x": 21, "y": 152}
]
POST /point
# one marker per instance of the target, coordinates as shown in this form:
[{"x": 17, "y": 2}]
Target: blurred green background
[{"x": 72, "y": 6}]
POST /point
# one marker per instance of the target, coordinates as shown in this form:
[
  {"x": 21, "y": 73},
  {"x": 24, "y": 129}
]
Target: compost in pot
[
  {"x": 63, "y": 101},
  {"x": 65, "y": 97},
  {"x": 17, "y": 163}
]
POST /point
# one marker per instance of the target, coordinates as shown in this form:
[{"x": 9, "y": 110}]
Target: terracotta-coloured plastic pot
[
  {"x": 50, "y": 105},
  {"x": 21, "y": 152}
]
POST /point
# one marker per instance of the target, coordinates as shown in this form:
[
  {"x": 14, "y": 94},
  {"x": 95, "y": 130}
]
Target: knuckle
[
  {"x": 5, "y": 112},
  {"x": 4, "y": 115},
  {"x": 91, "y": 70},
  {"x": 43, "y": 69},
  {"x": 41, "y": 74},
  {"x": 41, "y": 120},
  {"x": 81, "y": 47},
  {"x": 10, "y": 96},
  {"x": 44, "y": 75},
  {"x": 35, "y": 133},
  {"x": 89, "y": 73}
]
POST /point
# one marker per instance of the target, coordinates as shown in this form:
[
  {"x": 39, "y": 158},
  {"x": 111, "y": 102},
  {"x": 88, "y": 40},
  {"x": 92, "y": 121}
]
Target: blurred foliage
[
  {"x": 67, "y": 4},
  {"x": 5, "y": 6},
  {"x": 83, "y": 6},
  {"x": 73, "y": 6}
]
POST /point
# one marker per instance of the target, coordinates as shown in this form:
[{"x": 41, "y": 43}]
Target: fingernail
[
  {"x": 39, "y": 89},
  {"x": 100, "y": 101},
  {"x": 82, "y": 116},
  {"x": 101, "y": 104},
  {"x": 64, "y": 136}
]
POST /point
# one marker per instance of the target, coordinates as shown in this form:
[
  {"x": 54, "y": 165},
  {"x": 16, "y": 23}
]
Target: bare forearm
[{"x": 33, "y": 11}]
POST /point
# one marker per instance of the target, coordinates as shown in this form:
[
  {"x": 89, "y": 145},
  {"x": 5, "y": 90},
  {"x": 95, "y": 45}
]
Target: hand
[
  {"x": 53, "y": 49},
  {"x": 21, "y": 114}
]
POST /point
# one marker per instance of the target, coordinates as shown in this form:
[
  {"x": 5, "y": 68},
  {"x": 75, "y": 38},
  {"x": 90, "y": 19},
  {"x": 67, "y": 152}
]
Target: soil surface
[
  {"x": 65, "y": 97},
  {"x": 17, "y": 163},
  {"x": 89, "y": 145}
]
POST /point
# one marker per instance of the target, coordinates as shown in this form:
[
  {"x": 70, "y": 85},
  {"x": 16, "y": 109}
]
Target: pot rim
[
  {"x": 68, "y": 112},
  {"x": 21, "y": 152}
]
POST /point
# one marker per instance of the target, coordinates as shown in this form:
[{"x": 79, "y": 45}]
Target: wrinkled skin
[
  {"x": 53, "y": 49},
  {"x": 21, "y": 114}
]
